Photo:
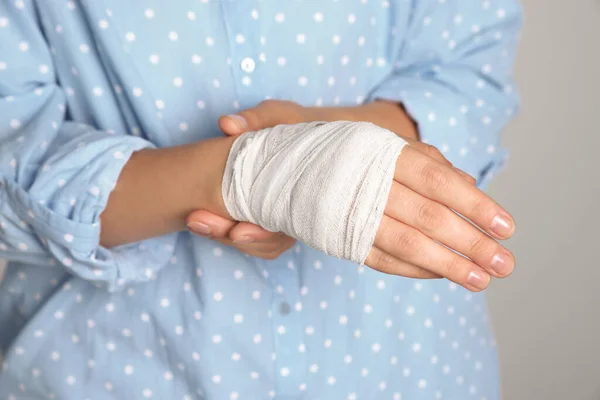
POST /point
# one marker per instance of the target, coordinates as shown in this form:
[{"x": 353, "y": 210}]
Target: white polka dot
[
  {"x": 149, "y": 13},
  {"x": 23, "y": 46},
  {"x": 128, "y": 370},
  {"x": 240, "y": 39},
  {"x": 130, "y": 36},
  {"x": 279, "y": 18},
  {"x": 318, "y": 17}
]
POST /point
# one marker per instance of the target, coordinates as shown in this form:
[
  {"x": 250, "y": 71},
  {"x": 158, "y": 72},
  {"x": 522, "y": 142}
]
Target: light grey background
[{"x": 547, "y": 316}]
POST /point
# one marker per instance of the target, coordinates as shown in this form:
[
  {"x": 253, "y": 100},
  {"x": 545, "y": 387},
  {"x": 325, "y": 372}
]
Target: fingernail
[
  {"x": 502, "y": 263},
  {"x": 502, "y": 226},
  {"x": 243, "y": 240},
  {"x": 199, "y": 228},
  {"x": 479, "y": 280},
  {"x": 239, "y": 121}
]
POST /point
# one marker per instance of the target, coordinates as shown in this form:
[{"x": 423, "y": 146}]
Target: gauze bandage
[{"x": 325, "y": 184}]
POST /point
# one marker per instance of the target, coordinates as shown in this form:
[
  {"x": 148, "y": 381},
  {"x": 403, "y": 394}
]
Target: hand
[
  {"x": 418, "y": 219},
  {"x": 252, "y": 239}
]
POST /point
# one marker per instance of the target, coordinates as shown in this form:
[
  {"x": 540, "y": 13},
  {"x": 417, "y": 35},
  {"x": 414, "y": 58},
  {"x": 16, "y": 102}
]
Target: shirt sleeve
[
  {"x": 452, "y": 72},
  {"x": 55, "y": 174}
]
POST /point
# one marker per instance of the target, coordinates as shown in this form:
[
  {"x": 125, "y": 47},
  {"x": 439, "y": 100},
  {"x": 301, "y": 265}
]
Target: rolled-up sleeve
[
  {"x": 55, "y": 174},
  {"x": 453, "y": 74}
]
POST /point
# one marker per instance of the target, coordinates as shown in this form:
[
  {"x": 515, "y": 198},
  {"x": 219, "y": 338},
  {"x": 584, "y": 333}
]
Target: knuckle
[
  {"x": 479, "y": 207},
  {"x": 269, "y": 103},
  {"x": 433, "y": 151},
  {"x": 408, "y": 241},
  {"x": 253, "y": 117},
  {"x": 421, "y": 273},
  {"x": 435, "y": 177},
  {"x": 385, "y": 262},
  {"x": 430, "y": 216},
  {"x": 479, "y": 244},
  {"x": 452, "y": 267}
]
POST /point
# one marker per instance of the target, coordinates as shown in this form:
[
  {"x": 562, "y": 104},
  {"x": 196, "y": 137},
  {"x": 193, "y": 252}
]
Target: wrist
[{"x": 208, "y": 163}]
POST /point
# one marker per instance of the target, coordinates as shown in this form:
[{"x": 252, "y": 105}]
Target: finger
[
  {"x": 430, "y": 150},
  {"x": 384, "y": 262},
  {"x": 466, "y": 176},
  {"x": 412, "y": 246},
  {"x": 438, "y": 182},
  {"x": 265, "y": 250},
  {"x": 434, "y": 153},
  {"x": 267, "y": 114},
  {"x": 207, "y": 224},
  {"x": 246, "y": 232},
  {"x": 445, "y": 226}
]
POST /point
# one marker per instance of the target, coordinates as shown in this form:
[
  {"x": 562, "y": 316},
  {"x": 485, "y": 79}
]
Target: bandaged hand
[
  {"x": 420, "y": 236},
  {"x": 256, "y": 241}
]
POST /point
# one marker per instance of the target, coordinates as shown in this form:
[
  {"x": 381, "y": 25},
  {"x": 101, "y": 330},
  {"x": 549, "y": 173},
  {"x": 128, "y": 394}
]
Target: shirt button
[
  {"x": 284, "y": 308},
  {"x": 248, "y": 65}
]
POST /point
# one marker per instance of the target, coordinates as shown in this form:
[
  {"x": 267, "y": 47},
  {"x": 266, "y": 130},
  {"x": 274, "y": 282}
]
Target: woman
[{"x": 109, "y": 112}]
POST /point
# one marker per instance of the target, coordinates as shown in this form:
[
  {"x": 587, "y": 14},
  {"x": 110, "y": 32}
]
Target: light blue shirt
[{"x": 83, "y": 84}]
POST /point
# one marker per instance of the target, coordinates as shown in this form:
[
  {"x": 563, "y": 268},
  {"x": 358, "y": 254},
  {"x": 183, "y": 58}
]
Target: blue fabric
[{"x": 83, "y": 84}]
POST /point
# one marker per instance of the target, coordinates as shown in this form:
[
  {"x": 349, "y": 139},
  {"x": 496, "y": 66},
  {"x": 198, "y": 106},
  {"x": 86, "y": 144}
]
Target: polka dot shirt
[{"x": 84, "y": 83}]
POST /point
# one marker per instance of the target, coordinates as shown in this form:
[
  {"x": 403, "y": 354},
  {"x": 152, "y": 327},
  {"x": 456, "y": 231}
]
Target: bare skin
[{"x": 426, "y": 188}]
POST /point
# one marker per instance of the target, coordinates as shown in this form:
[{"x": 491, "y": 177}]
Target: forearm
[{"x": 158, "y": 188}]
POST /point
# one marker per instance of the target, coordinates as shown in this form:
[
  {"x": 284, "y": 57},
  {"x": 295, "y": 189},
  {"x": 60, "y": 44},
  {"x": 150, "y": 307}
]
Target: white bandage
[{"x": 325, "y": 184}]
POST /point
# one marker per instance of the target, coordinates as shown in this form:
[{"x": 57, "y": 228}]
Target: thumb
[
  {"x": 207, "y": 224},
  {"x": 265, "y": 115}
]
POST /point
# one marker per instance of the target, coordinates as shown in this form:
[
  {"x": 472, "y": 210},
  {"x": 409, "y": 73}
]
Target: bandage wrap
[{"x": 325, "y": 184}]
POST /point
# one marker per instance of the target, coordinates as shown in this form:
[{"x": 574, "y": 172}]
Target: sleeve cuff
[{"x": 74, "y": 241}]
